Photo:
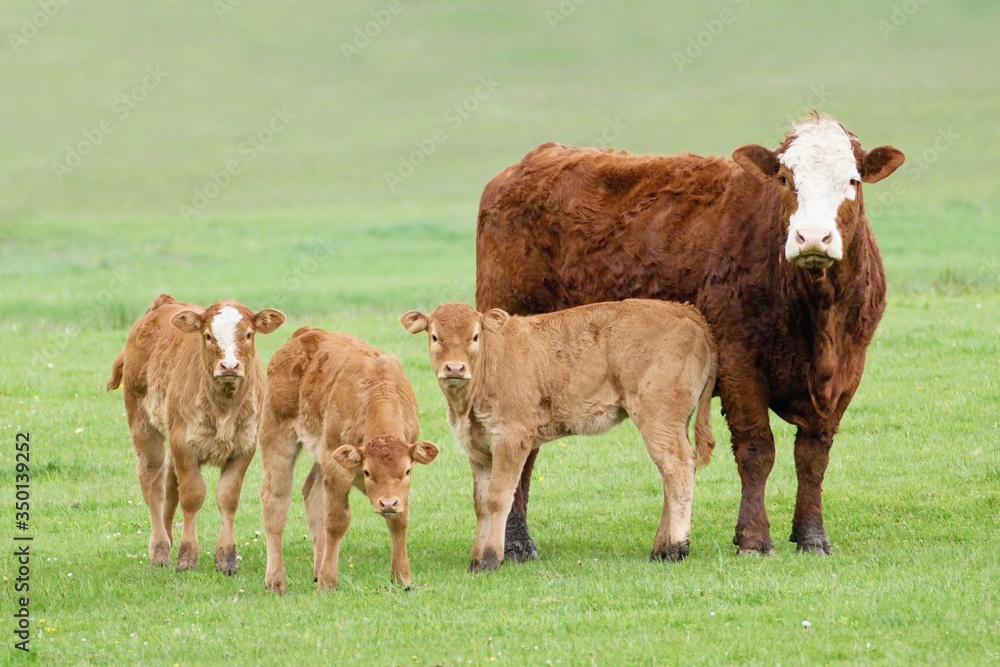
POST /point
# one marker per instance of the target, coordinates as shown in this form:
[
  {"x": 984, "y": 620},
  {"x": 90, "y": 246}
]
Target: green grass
[{"x": 309, "y": 226}]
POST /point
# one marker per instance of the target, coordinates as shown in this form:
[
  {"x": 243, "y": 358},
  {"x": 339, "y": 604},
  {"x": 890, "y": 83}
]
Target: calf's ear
[
  {"x": 187, "y": 321},
  {"x": 268, "y": 320},
  {"x": 349, "y": 457},
  {"x": 881, "y": 162},
  {"x": 493, "y": 320},
  {"x": 424, "y": 452},
  {"x": 757, "y": 160},
  {"x": 413, "y": 321}
]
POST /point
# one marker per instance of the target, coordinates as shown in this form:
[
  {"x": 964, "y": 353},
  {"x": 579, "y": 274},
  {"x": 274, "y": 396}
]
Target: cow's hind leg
[
  {"x": 812, "y": 454},
  {"x": 150, "y": 469},
  {"x": 170, "y": 498},
  {"x": 227, "y": 499},
  {"x": 313, "y": 496},
  {"x": 278, "y": 451},
  {"x": 518, "y": 545},
  {"x": 671, "y": 451}
]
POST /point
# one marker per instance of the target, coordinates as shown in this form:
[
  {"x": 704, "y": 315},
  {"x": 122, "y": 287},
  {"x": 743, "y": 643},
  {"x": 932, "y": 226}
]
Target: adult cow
[{"x": 775, "y": 249}]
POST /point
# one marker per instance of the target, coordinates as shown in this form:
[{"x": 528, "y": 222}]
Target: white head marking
[
  {"x": 823, "y": 166},
  {"x": 224, "y": 330}
]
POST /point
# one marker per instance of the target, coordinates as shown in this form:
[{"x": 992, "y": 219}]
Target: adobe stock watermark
[
  {"x": 247, "y": 151},
  {"x": 912, "y": 171},
  {"x": 364, "y": 34},
  {"x": 121, "y": 108},
  {"x": 93, "y": 314},
  {"x": 562, "y": 12},
  {"x": 223, "y": 7},
  {"x": 452, "y": 119},
  {"x": 294, "y": 278},
  {"x": 698, "y": 43},
  {"x": 901, "y": 13},
  {"x": 818, "y": 96},
  {"x": 612, "y": 131},
  {"x": 33, "y": 24}
]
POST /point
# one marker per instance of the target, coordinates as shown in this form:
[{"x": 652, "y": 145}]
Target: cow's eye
[
  {"x": 434, "y": 338},
  {"x": 249, "y": 335},
  {"x": 855, "y": 182},
  {"x": 408, "y": 472},
  {"x": 367, "y": 474},
  {"x": 782, "y": 180},
  {"x": 208, "y": 337},
  {"x": 475, "y": 339}
]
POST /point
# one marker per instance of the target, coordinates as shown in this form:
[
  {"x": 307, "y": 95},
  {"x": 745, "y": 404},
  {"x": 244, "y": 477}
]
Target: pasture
[{"x": 278, "y": 158}]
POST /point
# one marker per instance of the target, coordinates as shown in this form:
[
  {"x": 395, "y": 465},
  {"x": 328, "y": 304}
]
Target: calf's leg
[
  {"x": 508, "y": 461},
  {"x": 338, "y": 520},
  {"x": 227, "y": 499},
  {"x": 671, "y": 451},
  {"x": 278, "y": 451},
  {"x": 400, "y": 561},
  {"x": 812, "y": 454},
  {"x": 191, "y": 489},
  {"x": 480, "y": 493},
  {"x": 170, "y": 497},
  {"x": 312, "y": 495},
  {"x": 148, "y": 444}
]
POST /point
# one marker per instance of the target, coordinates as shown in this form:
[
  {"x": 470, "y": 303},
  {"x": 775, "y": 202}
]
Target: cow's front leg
[
  {"x": 508, "y": 461},
  {"x": 753, "y": 446},
  {"x": 400, "y": 561},
  {"x": 480, "y": 490},
  {"x": 191, "y": 490},
  {"x": 812, "y": 454},
  {"x": 338, "y": 519},
  {"x": 519, "y": 547},
  {"x": 227, "y": 498}
]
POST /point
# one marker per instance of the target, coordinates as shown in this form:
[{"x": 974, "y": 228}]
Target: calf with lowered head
[{"x": 354, "y": 410}]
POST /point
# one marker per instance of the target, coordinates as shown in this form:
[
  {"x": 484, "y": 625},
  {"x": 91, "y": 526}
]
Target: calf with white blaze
[
  {"x": 513, "y": 383},
  {"x": 354, "y": 410},
  {"x": 191, "y": 375}
]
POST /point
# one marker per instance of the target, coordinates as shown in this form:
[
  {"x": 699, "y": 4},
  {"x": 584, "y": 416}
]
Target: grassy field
[{"x": 340, "y": 184}]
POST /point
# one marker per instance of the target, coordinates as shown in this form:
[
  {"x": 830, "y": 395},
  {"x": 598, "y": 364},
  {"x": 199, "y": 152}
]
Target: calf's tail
[
  {"x": 704, "y": 441},
  {"x": 116, "y": 372}
]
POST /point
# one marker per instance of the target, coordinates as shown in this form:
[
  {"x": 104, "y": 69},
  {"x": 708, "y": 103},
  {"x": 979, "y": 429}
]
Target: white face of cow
[
  {"x": 818, "y": 173},
  {"x": 825, "y": 175},
  {"x": 227, "y": 330}
]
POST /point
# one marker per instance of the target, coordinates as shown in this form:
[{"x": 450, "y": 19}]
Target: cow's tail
[
  {"x": 704, "y": 441},
  {"x": 116, "y": 372}
]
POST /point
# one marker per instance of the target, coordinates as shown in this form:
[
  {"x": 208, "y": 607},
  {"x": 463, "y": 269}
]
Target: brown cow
[
  {"x": 772, "y": 246},
  {"x": 353, "y": 408},
  {"x": 192, "y": 375},
  {"x": 513, "y": 383}
]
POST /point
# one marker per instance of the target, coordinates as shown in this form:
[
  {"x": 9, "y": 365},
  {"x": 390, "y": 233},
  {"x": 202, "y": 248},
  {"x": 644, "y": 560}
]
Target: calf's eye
[
  {"x": 249, "y": 335},
  {"x": 782, "y": 180},
  {"x": 475, "y": 338},
  {"x": 855, "y": 182},
  {"x": 434, "y": 338},
  {"x": 367, "y": 474}
]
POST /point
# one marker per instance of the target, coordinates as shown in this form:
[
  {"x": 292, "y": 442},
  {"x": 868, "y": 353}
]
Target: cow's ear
[
  {"x": 757, "y": 160},
  {"x": 268, "y": 320},
  {"x": 187, "y": 321},
  {"x": 349, "y": 457},
  {"x": 880, "y": 162},
  {"x": 424, "y": 452},
  {"x": 413, "y": 321},
  {"x": 493, "y": 320}
]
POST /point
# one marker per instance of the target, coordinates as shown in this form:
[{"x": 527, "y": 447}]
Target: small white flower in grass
[
  {"x": 79, "y": 431},
  {"x": 69, "y": 574},
  {"x": 806, "y": 624},
  {"x": 711, "y": 613},
  {"x": 133, "y": 635}
]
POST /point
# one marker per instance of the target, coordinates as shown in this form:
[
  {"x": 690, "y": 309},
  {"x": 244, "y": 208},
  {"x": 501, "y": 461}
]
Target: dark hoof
[
  {"x": 225, "y": 560},
  {"x": 488, "y": 563},
  {"x": 187, "y": 557},
  {"x": 520, "y": 551},
  {"x": 749, "y": 546},
  {"x": 160, "y": 555},
  {"x": 673, "y": 552},
  {"x": 277, "y": 587}
]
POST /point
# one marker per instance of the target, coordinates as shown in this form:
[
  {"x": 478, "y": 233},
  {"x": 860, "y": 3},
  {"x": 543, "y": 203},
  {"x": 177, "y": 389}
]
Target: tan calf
[
  {"x": 513, "y": 383},
  {"x": 353, "y": 408},
  {"x": 192, "y": 375}
]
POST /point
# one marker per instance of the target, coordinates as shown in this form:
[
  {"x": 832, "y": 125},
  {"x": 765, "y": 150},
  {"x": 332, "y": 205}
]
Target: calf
[
  {"x": 353, "y": 408},
  {"x": 513, "y": 383},
  {"x": 192, "y": 375}
]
